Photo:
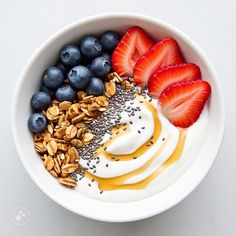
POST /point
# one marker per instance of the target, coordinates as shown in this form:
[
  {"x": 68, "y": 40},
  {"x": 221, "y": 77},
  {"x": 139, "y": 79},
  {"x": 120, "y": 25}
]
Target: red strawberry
[
  {"x": 164, "y": 53},
  {"x": 134, "y": 44},
  {"x": 182, "y": 103},
  {"x": 166, "y": 76}
]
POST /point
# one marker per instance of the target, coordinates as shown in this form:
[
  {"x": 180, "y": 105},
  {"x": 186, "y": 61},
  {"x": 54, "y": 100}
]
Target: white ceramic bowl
[{"x": 29, "y": 82}]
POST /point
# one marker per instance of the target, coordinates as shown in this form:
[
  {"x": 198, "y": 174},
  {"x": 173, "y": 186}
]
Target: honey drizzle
[
  {"x": 122, "y": 129},
  {"x": 118, "y": 182}
]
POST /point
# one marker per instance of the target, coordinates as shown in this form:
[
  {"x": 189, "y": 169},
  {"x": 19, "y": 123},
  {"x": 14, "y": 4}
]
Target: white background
[{"x": 210, "y": 209}]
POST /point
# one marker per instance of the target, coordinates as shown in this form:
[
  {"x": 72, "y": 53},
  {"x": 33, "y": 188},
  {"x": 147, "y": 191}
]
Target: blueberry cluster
[{"x": 79, "y": 68}]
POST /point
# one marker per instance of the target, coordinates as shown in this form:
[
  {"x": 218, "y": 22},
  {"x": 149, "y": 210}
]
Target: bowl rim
[{"x": 109, "y": 16}]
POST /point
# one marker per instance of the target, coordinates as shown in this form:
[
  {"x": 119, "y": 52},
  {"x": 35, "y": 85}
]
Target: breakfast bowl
[{"x": 116, "y": 208}]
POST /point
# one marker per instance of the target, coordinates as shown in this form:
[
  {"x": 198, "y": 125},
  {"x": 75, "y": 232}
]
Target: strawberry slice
[
  {"x": 182, "y": 103},
  {"x": 166, "y": 76},
  {"x": 164, "y": 53},
  {"x": 134, "y": 44}
]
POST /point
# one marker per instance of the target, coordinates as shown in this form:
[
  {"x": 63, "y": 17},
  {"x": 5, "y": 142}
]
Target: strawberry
[
  {"x": 164, "y": 53},
  {"x": 134, "y": 44},
  {"x": 166, "y": 76},
  {"x": 183, "y": 102}
]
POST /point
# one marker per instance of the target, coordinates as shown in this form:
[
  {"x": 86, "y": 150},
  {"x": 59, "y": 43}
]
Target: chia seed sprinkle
[{"x": 104, "y": 124}]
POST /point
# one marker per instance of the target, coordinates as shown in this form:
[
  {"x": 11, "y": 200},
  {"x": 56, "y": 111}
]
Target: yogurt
[{"x": 161, "y": 162}]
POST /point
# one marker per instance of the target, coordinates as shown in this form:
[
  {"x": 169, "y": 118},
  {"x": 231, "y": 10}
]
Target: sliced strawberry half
[
  {"x": 182, "y": 103},
  {"x": 164, "y": 53},
  {"x": 166, "y": 76},
  {"x": 134, "y": 44}
]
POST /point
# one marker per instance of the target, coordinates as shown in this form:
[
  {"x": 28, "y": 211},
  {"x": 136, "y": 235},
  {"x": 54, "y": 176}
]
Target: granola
[{"x": 67, "y": 130}]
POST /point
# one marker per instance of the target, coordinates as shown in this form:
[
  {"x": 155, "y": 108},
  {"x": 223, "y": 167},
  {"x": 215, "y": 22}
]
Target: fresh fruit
[
  {"x": 79, "y": 77},
  {"x": 53, "y": 77},
  {"x": 183, "y": 102},
  {"x": 166, "y": 76},
  {"x": 101, "y": 66},
  {"x": 90, "y": 47},
  {"x": 40, "y": 100},
  {"x": 70, "y": 55},
  {"x": 95, "y": 87},
  {"x": 106, "y": 55},
  {"x": 109, "y": 41},
  {"x": 37, "y": 122},
  {"x": 62, "y": 67},
  {"x": 164, "y": 53},
  {"x": 65, "y": 93},
  {"x": 134, "y": 44},
  {"x": 47, "y": 90}
]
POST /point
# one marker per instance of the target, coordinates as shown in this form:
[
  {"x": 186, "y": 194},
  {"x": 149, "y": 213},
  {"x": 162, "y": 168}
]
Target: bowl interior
[{"x": 30, "y": 82}]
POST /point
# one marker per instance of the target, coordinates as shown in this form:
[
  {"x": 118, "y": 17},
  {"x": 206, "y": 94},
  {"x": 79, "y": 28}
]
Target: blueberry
[
  {"x": 106, "y": 55},
  {"x": 90, "y": 47},
  {"x": 53, "y": 77},
  {"x": 40, "y": 100},
  {"x": 79, "y": 77},
  {"x": 37, "y": 122},
  {"x": 62, "y": 67},
  {"x": 70, "y": 55},
  {"x": 65, "y": 93},
  {"x": 101, "y": 66},
  {"x": 95, "y": 87},
  {"x": 50, "y": 92},
  {"x": 109, "y": 41}
]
